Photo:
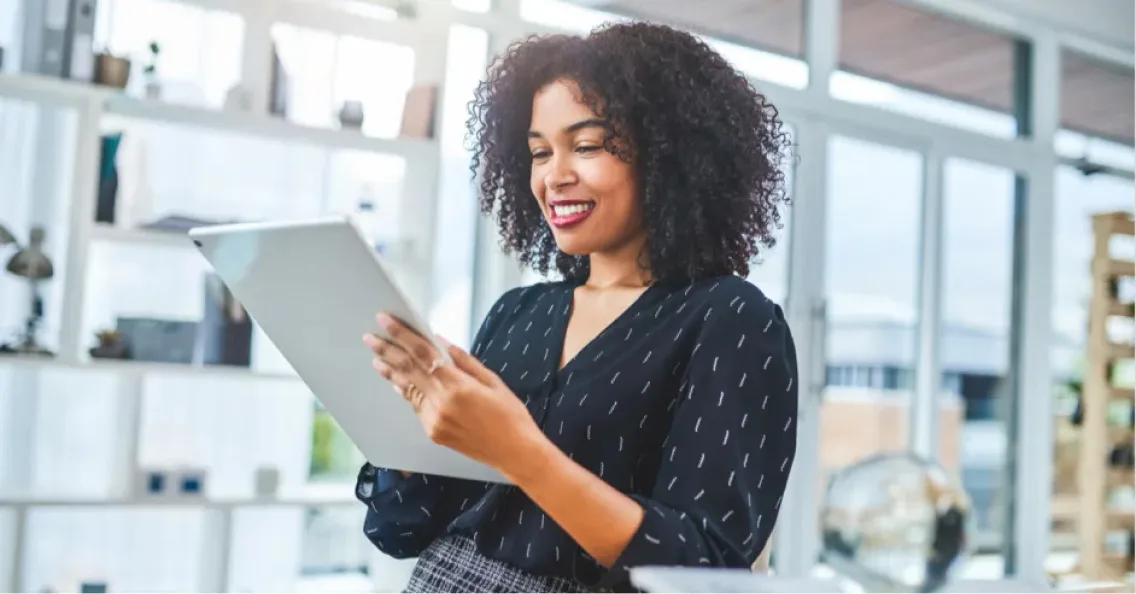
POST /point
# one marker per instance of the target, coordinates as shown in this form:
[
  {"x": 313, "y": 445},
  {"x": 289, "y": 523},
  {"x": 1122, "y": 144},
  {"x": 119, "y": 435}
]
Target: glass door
[
  {"x": 900, "y": 299},
  {"x": 873, "y": 202},
  {"x": 854, "y": 304}
]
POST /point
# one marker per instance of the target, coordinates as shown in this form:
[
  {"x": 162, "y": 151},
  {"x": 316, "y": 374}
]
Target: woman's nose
[{"x": 560, "y": 173}]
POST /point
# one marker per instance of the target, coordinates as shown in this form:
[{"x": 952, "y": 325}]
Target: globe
[{"x": 895, "y": 523}]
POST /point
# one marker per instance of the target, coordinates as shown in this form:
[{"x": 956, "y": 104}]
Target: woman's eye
[
  {"x": 589, "y": 148},
  {"x": 540, "y": 154}
]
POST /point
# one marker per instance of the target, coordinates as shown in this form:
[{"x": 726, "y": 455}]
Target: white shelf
[
  {"x": 59, "y": 92},
  {"x": 109, "y": 232},
  {"x": 51, "y": 91},
  {"x": 142, "y": 367},
  {"x": 348, "y": 498},
  {"x": 262, "y": 126}
]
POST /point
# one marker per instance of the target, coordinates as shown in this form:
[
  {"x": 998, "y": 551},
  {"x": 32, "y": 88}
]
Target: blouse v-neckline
[{"x": 564, "y": 315}]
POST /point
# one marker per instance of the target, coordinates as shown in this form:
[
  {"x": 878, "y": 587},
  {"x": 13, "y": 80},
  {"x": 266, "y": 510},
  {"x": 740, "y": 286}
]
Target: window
[
  {"x": 1096, "y": 113},
  {"x": 561, "y": 14},
  {"x": 925, "y": 65},
  {"x": 762, "y": 39},
  {"x": 1092, "y": 151},
  {"x": 774, "y": 26},
  {"x": 783, "y": 70},
  {"x": 974, "y": 331},
  {"x": 1097, "y": 98},
  {"x": 870, "y": 287},
  {"x": 895, "y": 378},
  {"x": 458, "y": 213}
]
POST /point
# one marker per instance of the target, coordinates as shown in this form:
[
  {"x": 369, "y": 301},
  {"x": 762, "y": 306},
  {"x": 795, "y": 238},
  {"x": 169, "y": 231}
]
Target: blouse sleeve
[
  {"x": 406, "y": 514},
  {"x": 731, "y": 445}
]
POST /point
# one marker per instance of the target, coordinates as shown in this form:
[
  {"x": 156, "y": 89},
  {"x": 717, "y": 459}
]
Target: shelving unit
[
  {"x": 1096, "y": 517},
  {"x": 93, "y": 105},
  {"x": 112, "y": 102},
  {"x": 142, "y": 368},
  {"x": 89, "y": 110},
  {"x": 195, "y": 503},
  {"x": 76, "y": 241}
]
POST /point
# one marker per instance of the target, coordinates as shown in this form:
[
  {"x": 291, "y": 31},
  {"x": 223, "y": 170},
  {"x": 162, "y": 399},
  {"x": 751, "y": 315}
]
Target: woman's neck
[{"x": 618, "y": 268}]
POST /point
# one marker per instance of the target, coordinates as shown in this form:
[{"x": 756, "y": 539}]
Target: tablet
[{"x": 315, "y": 287}]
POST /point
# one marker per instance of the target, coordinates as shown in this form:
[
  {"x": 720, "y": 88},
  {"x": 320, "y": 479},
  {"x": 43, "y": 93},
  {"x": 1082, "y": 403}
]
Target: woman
[{"x": 644, "y": 407}]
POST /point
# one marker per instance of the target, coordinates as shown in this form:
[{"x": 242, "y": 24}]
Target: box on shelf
[
  {"x": 159, "y": 341},
  {"x": 170, "y": 483},
  {"x": 225, "y": 332},
  {"x": 267, "y": 481}
]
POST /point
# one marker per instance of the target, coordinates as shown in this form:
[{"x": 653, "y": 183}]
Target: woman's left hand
[{"x": 462, "y": 405}]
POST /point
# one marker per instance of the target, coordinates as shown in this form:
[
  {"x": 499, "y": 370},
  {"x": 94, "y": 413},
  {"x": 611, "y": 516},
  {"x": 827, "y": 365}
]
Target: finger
[
  {"x": 421, "y": 351},
  {"x": 471, "y": 366},
  {"x": 381, "y": 367},
  {"x": 403, "y": 372},
  {"x": 389, "y": 352},
  {"x": 397, "y": 380},
  {"x": 400, "y": 383}
]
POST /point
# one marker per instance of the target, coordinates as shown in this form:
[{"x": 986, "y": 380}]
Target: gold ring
[
  {"x": 435, "y": 366},
  {"x": 414, "y": 396}
]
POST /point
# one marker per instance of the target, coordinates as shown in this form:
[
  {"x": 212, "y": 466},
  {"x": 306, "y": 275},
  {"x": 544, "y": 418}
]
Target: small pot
[
  {"x": 351, "y": 115},
  {"x": 112, "y": 71},
  {"x": 111, "y": 347}
]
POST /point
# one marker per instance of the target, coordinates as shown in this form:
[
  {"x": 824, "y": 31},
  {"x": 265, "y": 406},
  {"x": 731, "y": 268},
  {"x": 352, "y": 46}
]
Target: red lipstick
[{"x": 567, "y": 213}]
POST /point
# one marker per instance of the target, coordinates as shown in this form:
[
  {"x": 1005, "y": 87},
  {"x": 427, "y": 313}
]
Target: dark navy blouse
[{"x": 687, "y": 403}]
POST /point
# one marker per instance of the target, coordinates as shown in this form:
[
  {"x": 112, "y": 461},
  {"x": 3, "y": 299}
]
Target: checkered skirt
[{"x": 452, "y": 564}]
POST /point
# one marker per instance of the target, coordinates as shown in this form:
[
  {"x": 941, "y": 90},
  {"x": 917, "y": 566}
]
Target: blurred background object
[
  {"x": 937, "y": 264},
  {"x": 895, "y": 523},
  {"x": 29, "y": 262}
]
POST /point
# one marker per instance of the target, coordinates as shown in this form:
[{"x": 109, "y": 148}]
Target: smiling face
[{"x": 589, "y": 196}]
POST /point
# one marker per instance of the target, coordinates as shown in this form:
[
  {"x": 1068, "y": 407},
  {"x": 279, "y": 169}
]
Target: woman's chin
[{"x": 573, "y": 247}]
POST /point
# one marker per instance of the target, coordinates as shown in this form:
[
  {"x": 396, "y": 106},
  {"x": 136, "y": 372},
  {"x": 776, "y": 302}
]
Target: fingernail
[{"x": 384, "y": 320}]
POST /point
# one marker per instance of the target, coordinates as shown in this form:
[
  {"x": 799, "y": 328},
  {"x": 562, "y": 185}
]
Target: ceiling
[{"x": 920, "y": 50}]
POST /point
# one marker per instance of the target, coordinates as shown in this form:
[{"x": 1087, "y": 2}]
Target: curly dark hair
[{"x": 708, "y": 148}]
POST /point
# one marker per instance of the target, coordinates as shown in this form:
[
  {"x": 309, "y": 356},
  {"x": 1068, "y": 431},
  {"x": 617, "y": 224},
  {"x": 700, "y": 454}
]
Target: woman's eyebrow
[{"x": 576, "y": 127}]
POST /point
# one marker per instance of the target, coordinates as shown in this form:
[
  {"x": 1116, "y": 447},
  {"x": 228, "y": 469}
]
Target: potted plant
[
  {"x": 150, "y": 72},
  {"x": 111, "y": 345},
  {"x": 111, "y": 70}
]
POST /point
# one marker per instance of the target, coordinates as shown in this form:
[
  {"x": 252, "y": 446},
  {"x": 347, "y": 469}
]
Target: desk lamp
[{"x": 30, "y": 263}]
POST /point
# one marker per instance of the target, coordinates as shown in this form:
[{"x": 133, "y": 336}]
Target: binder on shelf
[{"x": 58, "y": 38}]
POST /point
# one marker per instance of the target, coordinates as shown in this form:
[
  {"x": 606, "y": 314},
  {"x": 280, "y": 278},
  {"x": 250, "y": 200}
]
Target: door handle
[{"x": 818, "y": 326}]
